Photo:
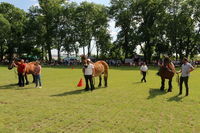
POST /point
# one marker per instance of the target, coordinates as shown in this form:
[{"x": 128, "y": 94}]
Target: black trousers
[
  {"x": 88, "y": 78},
  {"x": 21, "y": 79},
  {"x": 144, "y": 76},
  {"x": 185, "y": 80}
]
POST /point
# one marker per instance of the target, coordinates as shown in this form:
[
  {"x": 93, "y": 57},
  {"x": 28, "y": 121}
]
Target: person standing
[
  {"x": 144, "y": 70},
  {"x": 21, "y": 68},
  {"x": 88, "y": 71},
  {"x": 37, "y": 73},
  {"x": 186, "y": 68}
]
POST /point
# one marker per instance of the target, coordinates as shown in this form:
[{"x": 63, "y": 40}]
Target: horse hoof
[
  {"x": 161, "y": 89},
  {"x": 27, "y": 83}
]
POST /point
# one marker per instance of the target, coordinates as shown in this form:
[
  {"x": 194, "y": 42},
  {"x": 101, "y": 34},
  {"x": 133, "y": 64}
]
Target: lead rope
[{"x": 178, "y": 79}]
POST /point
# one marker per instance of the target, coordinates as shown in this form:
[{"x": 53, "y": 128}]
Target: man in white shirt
[
  {"x": 144, "y": 70},
  {"x": 88, "y": 71},
  {"x": 186, "y": 68}
]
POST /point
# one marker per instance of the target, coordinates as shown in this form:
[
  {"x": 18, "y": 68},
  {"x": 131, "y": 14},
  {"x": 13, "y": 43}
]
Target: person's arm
[
  {"x": 14, "y": 64},
  {"x": 191, "y": 68},
  {"x": 24, "y": 69}
]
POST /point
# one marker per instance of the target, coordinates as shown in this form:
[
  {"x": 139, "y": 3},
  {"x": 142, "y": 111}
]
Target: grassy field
[{"x": 125, "y": 106}]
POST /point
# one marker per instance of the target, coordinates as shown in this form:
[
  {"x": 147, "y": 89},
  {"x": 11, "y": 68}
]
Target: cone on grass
[{"x": 80, "y": 83}]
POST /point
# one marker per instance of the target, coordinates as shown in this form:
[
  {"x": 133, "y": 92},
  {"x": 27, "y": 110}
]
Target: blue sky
[{"x": 25, "y": 4}]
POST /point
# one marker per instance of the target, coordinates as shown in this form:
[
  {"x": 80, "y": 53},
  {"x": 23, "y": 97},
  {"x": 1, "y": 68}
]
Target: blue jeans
[{"x": 38, "y": 80}]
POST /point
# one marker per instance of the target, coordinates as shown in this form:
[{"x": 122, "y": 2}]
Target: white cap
[{"x": 88, "y": 60}]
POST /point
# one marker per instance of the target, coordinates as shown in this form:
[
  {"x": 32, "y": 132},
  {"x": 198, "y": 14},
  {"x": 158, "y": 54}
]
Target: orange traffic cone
[{"x": 80, "y": 83}]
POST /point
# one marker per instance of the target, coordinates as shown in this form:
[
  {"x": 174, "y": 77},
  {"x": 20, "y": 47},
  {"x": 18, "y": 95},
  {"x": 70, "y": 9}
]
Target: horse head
[
  {"x": 84, "y": 60},
  {"x": 167, "y": 60},
  {"x": 11, "y": 65}
]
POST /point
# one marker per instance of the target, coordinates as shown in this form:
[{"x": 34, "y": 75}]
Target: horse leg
[
  {"x": 100, "y": 79},
  {"x": 170, "y": 85},
  {"x": 106, "y": 81},
  {"x": 162, "y": 84},
  {"x": 33, "y": 78},
  {"x": 26, "y": 78}
]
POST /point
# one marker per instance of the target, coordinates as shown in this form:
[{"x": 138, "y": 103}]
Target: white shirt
[
  {"x": 88, "y": 70},
  {"x": 144, "y": 68},
  {"x": 186, "y": 69}
]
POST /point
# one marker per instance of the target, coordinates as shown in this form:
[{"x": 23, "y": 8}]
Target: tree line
[{"x": 157, "y": 27}]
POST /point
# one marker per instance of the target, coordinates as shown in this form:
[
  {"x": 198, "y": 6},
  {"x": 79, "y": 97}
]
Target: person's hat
[{"x": 88, "y": 60}]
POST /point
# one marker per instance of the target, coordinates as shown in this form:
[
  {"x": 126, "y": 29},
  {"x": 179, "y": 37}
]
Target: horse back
[
  {"x": 30, "y": 67},
  {"x": 101, "y": 67}
]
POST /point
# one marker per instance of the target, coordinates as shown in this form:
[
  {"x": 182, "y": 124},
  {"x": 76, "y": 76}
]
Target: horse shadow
[
  {"x": 153, "y": 92},
  {"x": 175, "y": 98},
  {"x": 75, "y": 92},
  {"x": 13, "y": 86},
  {"x": 9, "y": 86}
]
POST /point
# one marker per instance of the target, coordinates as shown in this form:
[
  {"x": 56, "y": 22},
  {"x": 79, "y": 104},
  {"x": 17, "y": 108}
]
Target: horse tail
[{"x": 106, "y": 67}]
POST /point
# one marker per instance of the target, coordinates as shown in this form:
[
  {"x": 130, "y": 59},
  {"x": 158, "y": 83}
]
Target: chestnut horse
[
  {"x": 28, "y": 70},
  {"x": 100, "y": 67},
  {"x": 166, "y": 71}
]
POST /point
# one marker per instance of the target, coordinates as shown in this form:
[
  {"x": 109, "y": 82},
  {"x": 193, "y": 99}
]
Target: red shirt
[{"x": 21, "y": 68}]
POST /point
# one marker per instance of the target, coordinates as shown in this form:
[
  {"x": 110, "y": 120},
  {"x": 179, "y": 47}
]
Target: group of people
[
  {"x": 21, "y": 69},
  {"x": 88, "y": 71},
  {"x": 186, "y": 68}
]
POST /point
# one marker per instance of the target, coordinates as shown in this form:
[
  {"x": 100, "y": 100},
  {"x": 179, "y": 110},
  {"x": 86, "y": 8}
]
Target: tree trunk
[
  {"x": 83, "y": 50},
  {"x": 89, "y": 48},
  {"x": 59, "y": 57}
]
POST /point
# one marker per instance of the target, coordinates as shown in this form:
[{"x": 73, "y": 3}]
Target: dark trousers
[
  {"x": 144, "y": 77},
  {"x": 38, "y": 80},
  {"x": 185, "y": 80},
  {"x": 21, "y": 79},
  {"x": 88, "y": 78}
]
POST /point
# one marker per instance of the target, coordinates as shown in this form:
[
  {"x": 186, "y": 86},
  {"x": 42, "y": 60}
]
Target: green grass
[{"x": 125, "y": 106}]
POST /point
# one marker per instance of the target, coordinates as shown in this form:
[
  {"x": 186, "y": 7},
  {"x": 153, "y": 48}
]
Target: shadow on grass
[
  {"x": 13, "y": 86},
  {"x": 70, "y": 93},
  {"x": 153, "y": 92},
  {"x": 9, "y": 86},
  {"x": 76, "y": 92},
  {"x": 175, "y": 98},
  {"x": 137, "y": 82}
]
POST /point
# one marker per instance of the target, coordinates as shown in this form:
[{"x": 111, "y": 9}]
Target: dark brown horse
[
  {"x": 166, "y": 71},
  {"x": 100, "y": 68},
  {"x": 28, "y": 70}
]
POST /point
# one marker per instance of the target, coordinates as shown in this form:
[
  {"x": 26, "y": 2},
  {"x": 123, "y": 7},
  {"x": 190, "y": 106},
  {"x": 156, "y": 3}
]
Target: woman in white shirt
[
  {"x": 144, "y": 70},
  {"x": 88, "y": 70}
]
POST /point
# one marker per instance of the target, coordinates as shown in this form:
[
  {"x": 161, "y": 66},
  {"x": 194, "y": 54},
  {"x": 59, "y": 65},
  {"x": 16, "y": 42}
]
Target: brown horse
[
  {"x": 100, "y": 67},
  {"x": 166, "y": 71},
  {"x": 28, "y": 70}
]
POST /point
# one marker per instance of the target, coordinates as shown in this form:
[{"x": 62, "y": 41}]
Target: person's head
[
  {"x": 22, "y": 61},
  {"x": 185, "y": 60}
]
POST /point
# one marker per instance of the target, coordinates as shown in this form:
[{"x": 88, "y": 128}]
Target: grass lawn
[{"x": 125, "y": 106}]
